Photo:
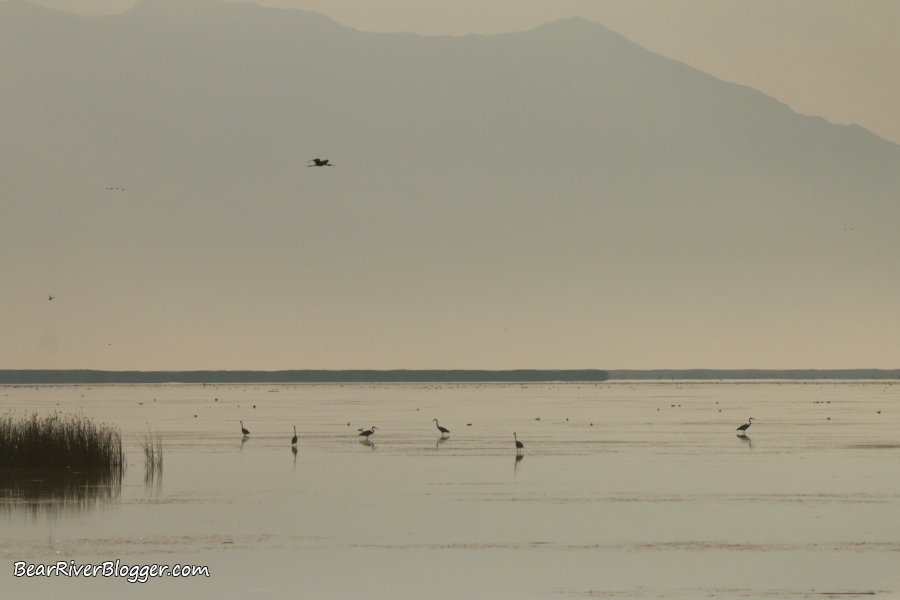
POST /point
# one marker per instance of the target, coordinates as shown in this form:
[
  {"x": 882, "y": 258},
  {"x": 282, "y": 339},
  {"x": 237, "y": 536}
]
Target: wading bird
[
  {"x": 443, "y": 430},
  {"x": 244, "y": 429},
  {"x": 294, "y": 439},
  {"x": 320, "y": 162},
  {"x": 368, "y": 432},
  {"x": 746, "y": 426},
  {"x": 519, "y": 445}
]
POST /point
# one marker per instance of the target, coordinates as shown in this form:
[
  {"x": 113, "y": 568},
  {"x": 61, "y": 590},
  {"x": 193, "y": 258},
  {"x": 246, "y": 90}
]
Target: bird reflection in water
[
  {"x": 519, "y": 458},
  {"x": 439, "y": 441},
  {"x": 743, "y": 437},
  {"x": 294, "y": 451}
]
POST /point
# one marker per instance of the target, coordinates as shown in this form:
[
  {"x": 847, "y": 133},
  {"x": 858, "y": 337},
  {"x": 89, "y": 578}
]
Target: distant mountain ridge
[{"x": 603, "y": 204}]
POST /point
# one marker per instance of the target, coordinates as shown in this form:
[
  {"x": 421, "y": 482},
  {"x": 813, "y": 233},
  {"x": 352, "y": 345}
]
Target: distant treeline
[
  {"x": 757, "y": 374},
  {"x": 10, "y": 377}
]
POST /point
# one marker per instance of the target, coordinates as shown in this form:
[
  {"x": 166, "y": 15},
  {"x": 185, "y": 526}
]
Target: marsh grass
[
  {"x": 59, "y": 442},
  {"x": 153, "y": 459}
]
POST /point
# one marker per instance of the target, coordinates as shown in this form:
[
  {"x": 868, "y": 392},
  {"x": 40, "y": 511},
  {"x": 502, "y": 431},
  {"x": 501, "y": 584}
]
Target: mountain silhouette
[{"x": 612, "y": 204}]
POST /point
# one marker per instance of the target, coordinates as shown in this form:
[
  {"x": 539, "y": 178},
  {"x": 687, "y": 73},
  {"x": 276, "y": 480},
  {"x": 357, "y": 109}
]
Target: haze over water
[{"x": 657, "y": 499}]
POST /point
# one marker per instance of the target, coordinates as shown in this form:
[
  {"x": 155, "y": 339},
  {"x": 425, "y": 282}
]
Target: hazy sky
[
  {"x": 832, "y": 58},
  {"x": 556, "y": 199}
]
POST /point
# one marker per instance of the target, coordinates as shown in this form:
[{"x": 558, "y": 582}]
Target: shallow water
[{"x": 624, "y": 490}]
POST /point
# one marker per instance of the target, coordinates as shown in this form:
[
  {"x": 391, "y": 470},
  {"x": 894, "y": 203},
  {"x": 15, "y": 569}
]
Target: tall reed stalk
[{"x": 153, "y": 459}]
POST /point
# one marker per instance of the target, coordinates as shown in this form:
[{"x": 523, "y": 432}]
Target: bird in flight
[
  {"x": 50, "y": 298},
  {"x": 320, "y": 162}
]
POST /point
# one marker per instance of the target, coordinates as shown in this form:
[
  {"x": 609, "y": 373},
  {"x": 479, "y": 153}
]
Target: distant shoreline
[
  {"x": 28, "y": 377},
  {"x": 773, "y": 374},
  {"x": 48, "y": 376}
]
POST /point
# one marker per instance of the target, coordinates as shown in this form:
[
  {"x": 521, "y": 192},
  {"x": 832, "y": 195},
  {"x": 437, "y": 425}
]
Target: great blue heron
[
  {"x": 368, "y": 432},
  {"x": 743, "y": 428},
  {"x": 519, "y": 445},
  {"x": 244, "y": 429},
  {"x": 294, "y": 439},
  {"x": 443, "y": 430}
]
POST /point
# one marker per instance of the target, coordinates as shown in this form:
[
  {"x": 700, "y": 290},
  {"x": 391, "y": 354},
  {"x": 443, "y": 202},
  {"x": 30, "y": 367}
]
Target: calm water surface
[{"x": 624, "y": 490}]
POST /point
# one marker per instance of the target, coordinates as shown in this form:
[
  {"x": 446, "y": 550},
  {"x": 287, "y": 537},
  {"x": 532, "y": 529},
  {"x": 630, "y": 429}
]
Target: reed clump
[
  {"x": 59, "y": 442},
  {"x": 153, "y": 459}
]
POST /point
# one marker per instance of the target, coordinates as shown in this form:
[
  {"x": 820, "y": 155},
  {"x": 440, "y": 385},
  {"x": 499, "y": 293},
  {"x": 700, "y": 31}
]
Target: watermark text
[{"x": 131, "y": 573}]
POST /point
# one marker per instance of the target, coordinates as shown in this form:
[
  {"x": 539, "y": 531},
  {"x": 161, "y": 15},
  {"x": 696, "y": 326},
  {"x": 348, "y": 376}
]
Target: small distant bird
[
  {"x": 746, "y": 425},
  {"x": 368, "y": 432},
  {"x": 519, "y": 445},
  {"x": 50, "y": 298},
  {"x": 538, "y": 419},
  {"x": 320, "y": 162},
  {"x": 443, "y": 430},
  {"x": 244, "y": 429},
  {"x": 294, "y": 439}
]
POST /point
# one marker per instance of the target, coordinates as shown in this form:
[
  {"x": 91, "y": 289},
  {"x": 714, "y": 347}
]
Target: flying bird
[
  {"x": 50, "y": 298},
  {"x": 320, "y": 162}
]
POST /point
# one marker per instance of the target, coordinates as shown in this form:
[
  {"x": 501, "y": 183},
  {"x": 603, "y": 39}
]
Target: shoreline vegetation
[
  {"x": 52, "y": 376},
  {"x": 59, "y": 442},
  {"x": 153, "y": 459}
]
